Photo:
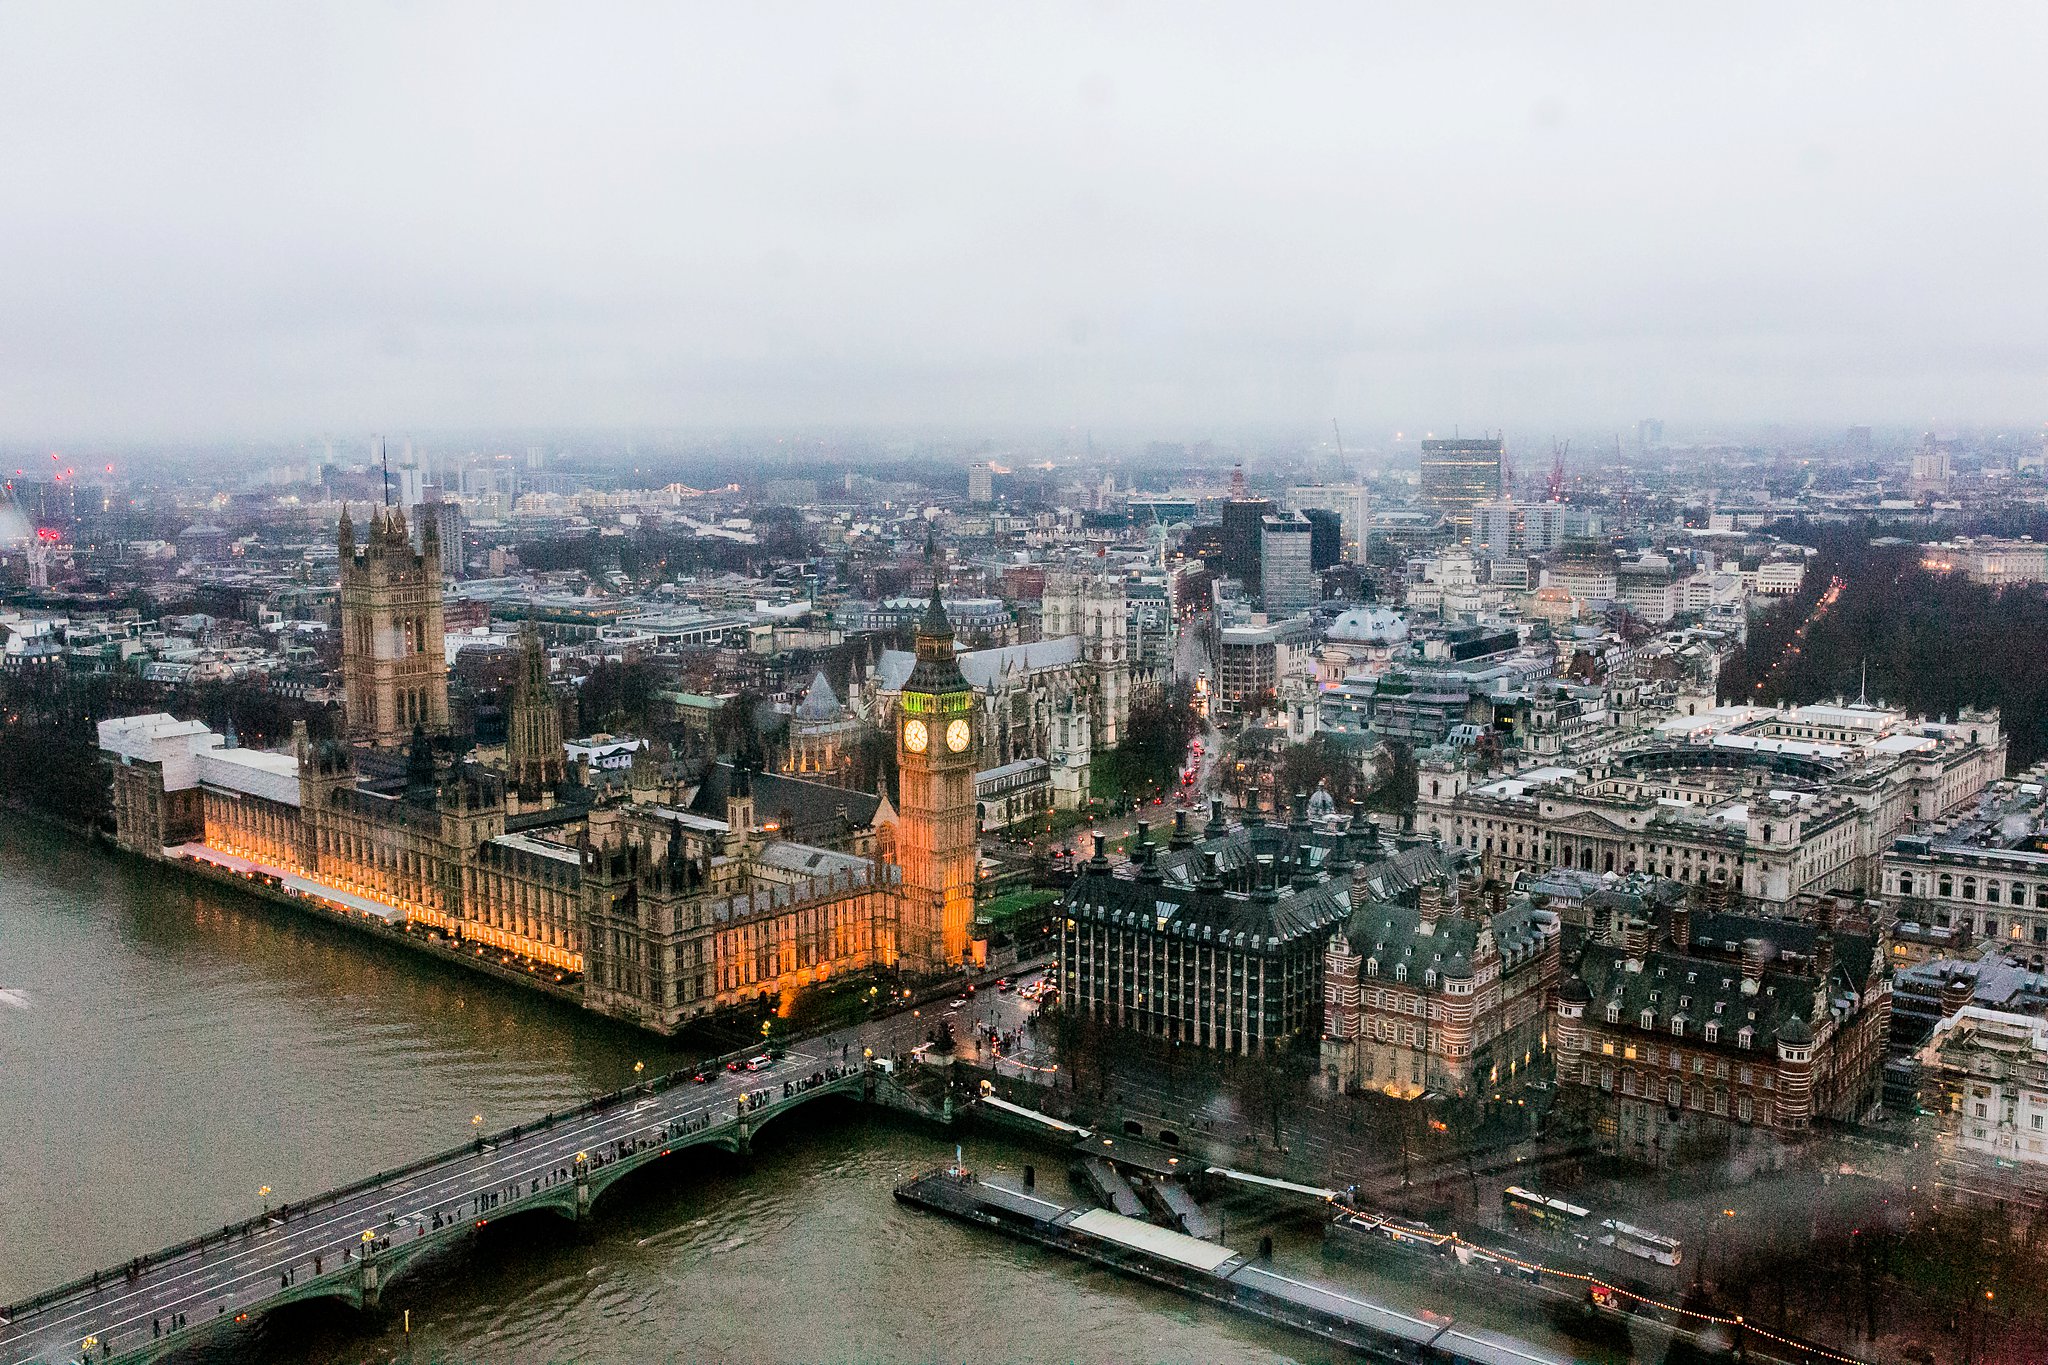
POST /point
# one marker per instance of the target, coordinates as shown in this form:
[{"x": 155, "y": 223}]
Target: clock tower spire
[{"x": 936, "y": 833}]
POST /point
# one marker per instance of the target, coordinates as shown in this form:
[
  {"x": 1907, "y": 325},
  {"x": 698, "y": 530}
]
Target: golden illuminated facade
[
  {"x": 677, "y": 923},
  {"x": 666, "y": 915},
  {"x": 936, "y": 834}
]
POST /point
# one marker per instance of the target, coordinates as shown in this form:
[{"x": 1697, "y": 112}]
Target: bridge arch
[{"x": 842, "y": 1087}]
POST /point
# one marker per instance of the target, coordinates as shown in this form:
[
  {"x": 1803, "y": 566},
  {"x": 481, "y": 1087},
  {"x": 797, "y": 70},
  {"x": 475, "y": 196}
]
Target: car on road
[
  {"x": 1003, "y": 986},
  {"x": 959, "y": 1004},
  {"x": 701, "y": 1078},
  {"x": 760, "y": 1063}
]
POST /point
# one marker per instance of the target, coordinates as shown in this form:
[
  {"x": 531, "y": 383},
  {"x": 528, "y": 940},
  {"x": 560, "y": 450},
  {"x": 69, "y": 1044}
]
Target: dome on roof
[
  {"x": 1458, "y": 968},
  {"x": 1575, "y": 991},
  {"x": 1370, "y": 625},
  {"x": 1795, "y": 1032}
]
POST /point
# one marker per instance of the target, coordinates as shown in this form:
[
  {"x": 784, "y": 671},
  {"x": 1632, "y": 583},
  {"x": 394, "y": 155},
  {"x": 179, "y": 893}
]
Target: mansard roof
[
  {"x": 1703, "y": 984},
  {"x": 1392, "y": 933},
  {"x": 1260, "y": 921},
  {"x": 1697, "y": 990}
]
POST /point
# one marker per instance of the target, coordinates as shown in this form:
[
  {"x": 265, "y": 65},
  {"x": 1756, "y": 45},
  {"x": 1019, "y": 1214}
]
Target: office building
[
  {"x": 1252, "y": 661},
  {"x": 1988, "y": 1071},
  {"x": 1287, "y": 577},
  {"x": 1432, "y": 987},
  {"x": 1244, "y": 521},
  {"x": 1715, "y": 1028},
  {"x": 1213, "y": 941},
  {"x": 1459, "y": 475},
  {"x": 1352, "y": 505},
  {"x": 1326, "y": 538},
  {"x": 1777, "y": 804}
]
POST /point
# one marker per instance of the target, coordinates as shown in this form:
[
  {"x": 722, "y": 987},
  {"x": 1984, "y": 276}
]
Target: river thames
[{"x": 168, "y": 1050}]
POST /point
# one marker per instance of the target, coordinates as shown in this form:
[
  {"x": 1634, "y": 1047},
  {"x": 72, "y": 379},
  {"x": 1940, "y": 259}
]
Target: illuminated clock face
[
  {"x": 956, "y": 736},
  {"x": 915, "y": 736}
]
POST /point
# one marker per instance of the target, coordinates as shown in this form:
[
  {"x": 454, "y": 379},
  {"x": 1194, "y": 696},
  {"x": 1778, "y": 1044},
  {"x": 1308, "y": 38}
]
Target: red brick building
[
  {"x": 1712, "y": 1029},
  {"x": 1430, "y": 991}
]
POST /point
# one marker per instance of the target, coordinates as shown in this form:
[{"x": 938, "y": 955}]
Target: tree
[
  {"x": 1321, "y": 761},
  {"x": 1395, "y": 788},
  {"x": 618, "y": 697},
  {"x": 1154, "y": 743},
  {"x": 1871, "y": 617}
]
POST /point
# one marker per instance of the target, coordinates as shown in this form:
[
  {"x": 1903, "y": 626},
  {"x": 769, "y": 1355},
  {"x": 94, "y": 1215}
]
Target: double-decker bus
[{"x": 1553, "y": 1214}]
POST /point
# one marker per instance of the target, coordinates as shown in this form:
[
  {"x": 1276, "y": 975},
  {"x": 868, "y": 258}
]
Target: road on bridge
[{"x": 134, "y": 1314}]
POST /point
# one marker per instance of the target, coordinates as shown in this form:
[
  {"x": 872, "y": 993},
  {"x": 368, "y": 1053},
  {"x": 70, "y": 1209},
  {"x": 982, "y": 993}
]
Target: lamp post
[{"x": 263, "y": 1193}]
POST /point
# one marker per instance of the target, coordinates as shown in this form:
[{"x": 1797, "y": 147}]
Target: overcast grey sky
[{"x": 279, "y": 219}]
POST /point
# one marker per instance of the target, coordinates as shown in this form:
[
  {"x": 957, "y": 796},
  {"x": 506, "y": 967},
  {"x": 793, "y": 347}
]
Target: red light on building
[{"x": 48, "y": 533}]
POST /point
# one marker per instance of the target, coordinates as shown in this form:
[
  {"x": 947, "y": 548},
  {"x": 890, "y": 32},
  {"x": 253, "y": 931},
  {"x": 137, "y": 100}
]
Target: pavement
[{"x": 233, "y": 1275}]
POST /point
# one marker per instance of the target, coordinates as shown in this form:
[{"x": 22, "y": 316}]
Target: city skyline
[{"x": 1373, "y": 669}]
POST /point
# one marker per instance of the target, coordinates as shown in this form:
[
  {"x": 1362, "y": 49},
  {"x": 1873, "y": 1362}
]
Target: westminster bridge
[{"x": 351, "y": 1243}]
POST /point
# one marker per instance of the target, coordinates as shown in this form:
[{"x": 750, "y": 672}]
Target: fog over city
[{"x": 273, "y": 220}]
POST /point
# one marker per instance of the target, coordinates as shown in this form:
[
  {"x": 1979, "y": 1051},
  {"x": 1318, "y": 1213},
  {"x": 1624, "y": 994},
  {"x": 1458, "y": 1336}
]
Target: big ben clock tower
[{"x": 935, "y": 833}]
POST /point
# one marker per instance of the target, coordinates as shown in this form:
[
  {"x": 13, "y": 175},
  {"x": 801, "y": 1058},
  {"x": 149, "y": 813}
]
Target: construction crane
[{"x": 1557, "y": 453}]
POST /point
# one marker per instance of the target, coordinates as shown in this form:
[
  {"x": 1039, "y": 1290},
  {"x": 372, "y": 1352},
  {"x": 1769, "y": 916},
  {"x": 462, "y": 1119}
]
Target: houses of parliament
[{"x": 659, "y": 912}]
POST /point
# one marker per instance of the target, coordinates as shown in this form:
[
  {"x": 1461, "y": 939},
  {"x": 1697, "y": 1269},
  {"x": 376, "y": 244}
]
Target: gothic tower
[
  {"x": 533, "y": 739},
  {"x": 393, "y": 656},
  {"x": 1092, "y": 605},
  {"x": 935, "y": 833}
]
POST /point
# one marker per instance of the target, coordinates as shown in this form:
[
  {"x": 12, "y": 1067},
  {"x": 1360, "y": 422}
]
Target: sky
[{"x": 277, "y": 220}]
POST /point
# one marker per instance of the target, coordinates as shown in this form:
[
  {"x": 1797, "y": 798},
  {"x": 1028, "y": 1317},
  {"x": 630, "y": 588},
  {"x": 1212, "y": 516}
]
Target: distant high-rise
[
  {"x": 1932, "y": 468},
  {"x": 1858, "y": 441},
  {"x": 981, "y": 484},
  {"x": 1649, "y": 433},
  {"x": 1458, "y": 475},
  {"x": 1243, "y": 523},
  {"x": 1287, "y": 578},
  {"x": 1326, "y": 537},
  {"x": 445, "y": 520},
  {"x": 1349, "y": 501}
]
